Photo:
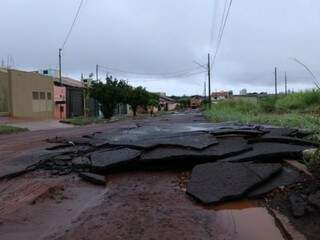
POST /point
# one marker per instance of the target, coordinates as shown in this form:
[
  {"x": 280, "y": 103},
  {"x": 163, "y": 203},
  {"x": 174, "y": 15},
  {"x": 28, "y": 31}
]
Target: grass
[
  {"x": 298, "y": 110},
  {"x": 6, "y": 129},
  {"x": 82, "y": 121}
]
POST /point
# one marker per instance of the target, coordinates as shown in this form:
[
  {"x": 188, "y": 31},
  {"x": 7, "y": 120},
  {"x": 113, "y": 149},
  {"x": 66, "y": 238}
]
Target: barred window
[
  {"x": 49, "y": 95},
  {"x": 35, "y": 95},
  {"x": 42, "y": 95}
]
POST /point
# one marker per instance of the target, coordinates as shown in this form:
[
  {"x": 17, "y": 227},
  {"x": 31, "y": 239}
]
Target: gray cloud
[{"x": 166, "y": 36}]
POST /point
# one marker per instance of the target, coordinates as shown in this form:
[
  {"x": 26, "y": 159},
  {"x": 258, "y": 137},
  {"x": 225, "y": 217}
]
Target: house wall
[
  {"x": 4, "y": 92},
  {"x": 31, "y": 95},
  {"x": 60, "y": 106},
  {"x": 172, "y": 106},
  {"x": 75, "y": 105}
]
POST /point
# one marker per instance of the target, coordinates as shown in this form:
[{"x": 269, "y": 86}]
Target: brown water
[{"x": 246, "y": 221}]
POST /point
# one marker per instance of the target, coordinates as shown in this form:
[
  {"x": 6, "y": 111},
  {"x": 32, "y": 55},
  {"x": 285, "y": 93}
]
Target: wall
[
  {"x": 31, "y": 95},
  {"x": 172, "y": 106},
  {"x": 60, "y": 106},
  {"x": 75, "y": 104},
  {"x": 4, "y": 92}
]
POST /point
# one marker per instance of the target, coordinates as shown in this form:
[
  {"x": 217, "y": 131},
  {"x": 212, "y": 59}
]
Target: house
[
  {"x": 222, "y": 95},
  {"x": 25, "y": 94},
  {"x": 70, "y": 96},
  {"x": 167, "y": 104},
  {"x": 42, "y": 96},
  {"x": 196, "y": 101}
]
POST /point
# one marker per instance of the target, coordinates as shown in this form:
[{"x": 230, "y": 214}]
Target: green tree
[
  {"x": 137, "y": 97},
  {"x": 109, "y": 94},
  {"x": 153, "y": 101}
]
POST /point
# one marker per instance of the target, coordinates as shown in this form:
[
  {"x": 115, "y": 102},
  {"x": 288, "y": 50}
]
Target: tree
[
  {"x": 153, "y": 101},
  {"x": 137, "y": 97},
  {"x": 109, "y": 94}
]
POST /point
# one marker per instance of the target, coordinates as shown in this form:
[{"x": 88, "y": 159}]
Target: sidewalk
[{"x": 32, "y": 124}]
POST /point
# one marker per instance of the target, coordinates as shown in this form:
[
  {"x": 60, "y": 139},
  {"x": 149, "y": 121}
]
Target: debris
[
  {"x": 93, "y": 178},
  {"x": 269, "y": 152},
  {"x": 184, "y": 156},
  {"x": 107, "y": 159},
  {"x": 285, "y": 177},
  {"x": 298, "y": 205},
  {"x": 286, "y": 140},
  {"x": 216, "y": 182},
  {"x": 314, "y": 199}
]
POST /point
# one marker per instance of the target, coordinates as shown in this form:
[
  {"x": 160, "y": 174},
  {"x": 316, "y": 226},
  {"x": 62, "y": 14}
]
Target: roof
[
  {"x": 70, "y": 82},
  {"x": 167, "y": 99}
]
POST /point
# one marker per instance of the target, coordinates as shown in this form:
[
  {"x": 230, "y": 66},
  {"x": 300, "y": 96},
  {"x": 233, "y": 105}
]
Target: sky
[{"x": 156, "y": 43}]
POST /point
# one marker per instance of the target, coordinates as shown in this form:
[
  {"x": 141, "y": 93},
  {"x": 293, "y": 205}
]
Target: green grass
[
  {"x": 6, "y": 129},
  {"x": 82, "y": 121},
  {"x": 298, "y": 110}
]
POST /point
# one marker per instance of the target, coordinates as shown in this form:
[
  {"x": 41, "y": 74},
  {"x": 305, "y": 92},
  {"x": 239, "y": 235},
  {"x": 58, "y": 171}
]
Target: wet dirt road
[{"x": 133, "y": 205}]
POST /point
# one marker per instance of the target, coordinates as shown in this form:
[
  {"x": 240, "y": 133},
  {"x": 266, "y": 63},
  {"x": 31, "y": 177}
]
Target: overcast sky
[{"x": 166, "y": 36}]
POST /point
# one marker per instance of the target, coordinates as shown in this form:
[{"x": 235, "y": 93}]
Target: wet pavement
[{"x": 156, "y": 174}]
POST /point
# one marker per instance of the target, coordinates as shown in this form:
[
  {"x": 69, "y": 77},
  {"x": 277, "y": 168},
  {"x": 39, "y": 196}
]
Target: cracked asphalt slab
[{"x": 147, "y": 157}]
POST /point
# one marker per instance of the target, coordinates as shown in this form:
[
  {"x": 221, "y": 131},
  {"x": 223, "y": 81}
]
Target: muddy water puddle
[{"x": 246, "y": 221}]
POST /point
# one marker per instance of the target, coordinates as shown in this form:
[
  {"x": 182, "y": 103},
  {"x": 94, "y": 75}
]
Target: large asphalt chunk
[
  {"x": 286, "y": 140},
  {"x": 102, "y": 161},
  {"x": 194, "y": 140},
  {"x": 225, "y": 148},
  {"x": 285, "y": 177},
  {"x": 269, "y": 151},
  {"x": 221, "y": 181}
]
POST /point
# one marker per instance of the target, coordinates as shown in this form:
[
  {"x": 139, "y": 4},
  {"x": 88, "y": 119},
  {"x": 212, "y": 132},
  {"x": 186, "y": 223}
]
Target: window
[
  {"x": 45, "y": 72},
  {"x": 42, "y": 95},
  {"x": 49, "y": 96},
  {"x": 35, "y": 95}
]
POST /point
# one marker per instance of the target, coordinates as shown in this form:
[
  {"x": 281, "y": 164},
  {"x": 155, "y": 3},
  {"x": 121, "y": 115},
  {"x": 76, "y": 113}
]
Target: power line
[
  {"x": 222, "y": 32},
  {"x": 222, "y": 20},
  {"x": 163, "y": 75},
  {"x": 213, "y": 22},
  {"x": 73, "y": 24}
]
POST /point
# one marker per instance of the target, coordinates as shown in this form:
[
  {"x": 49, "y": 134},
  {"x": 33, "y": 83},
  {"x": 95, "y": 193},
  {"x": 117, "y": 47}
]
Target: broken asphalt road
[{"x": 225, "y": 158}]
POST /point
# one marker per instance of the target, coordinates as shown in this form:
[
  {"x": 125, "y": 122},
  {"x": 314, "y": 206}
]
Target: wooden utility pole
[
  {"x": 60, "y": 73},
  {"x": 97, "y": 72},
  {"x": 276, "y": 82},
  {"x": 209, "y": 78},
  {"x": 286, "y": 83}
]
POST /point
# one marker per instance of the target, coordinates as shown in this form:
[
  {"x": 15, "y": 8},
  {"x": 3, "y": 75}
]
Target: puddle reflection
[{"x": 245, "y": 221}]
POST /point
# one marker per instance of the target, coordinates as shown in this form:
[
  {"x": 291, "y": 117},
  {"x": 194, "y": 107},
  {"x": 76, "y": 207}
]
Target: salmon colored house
[{"x": 60, "y": 106}]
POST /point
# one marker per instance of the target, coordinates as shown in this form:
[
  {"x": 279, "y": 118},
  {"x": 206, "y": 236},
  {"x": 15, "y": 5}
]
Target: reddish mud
[{"x": 135, "y": 205}]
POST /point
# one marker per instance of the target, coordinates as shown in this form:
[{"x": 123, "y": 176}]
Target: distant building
[
  {"x": 167, "y": 104},
  {"x": 196, "y": 101},
  {"x": 243, "y": 92},
  {"x": 222, "y": 95}
]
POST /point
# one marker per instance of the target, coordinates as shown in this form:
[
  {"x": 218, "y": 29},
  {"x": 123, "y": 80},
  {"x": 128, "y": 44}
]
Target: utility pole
[
  {"x": 97, "y": 72},
  {"x": 205, "y": 90},
  {"x": 209, "y": 78},
  {"x": 276, "y": 82},
  {"x": 286, "y": 83},
  {"x": 60, "y": 74}
]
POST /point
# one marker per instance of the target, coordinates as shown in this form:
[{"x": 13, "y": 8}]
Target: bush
[
  {"x": 298, "y": 101},
  {"x": 267, "y": 104}
]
